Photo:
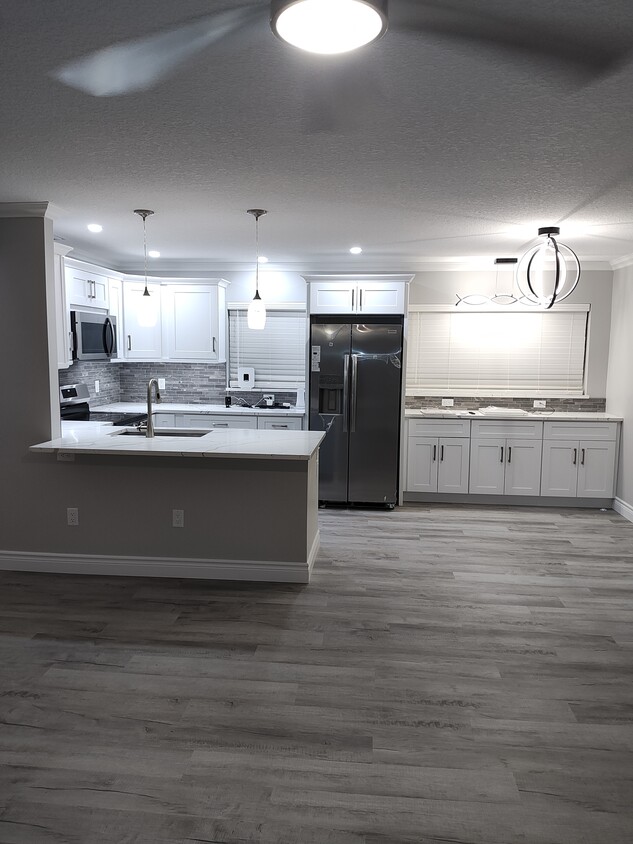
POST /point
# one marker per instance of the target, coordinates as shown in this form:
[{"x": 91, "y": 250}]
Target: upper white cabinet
[
  {"x": 357, "y": 294},
  {"x": 115, "y": 298},
  {"x": 141, "y": 341},
  {"x": 63, "y": 334},
  {"x": 86, "y": 288},
  {"x": 194, "y": 321}
]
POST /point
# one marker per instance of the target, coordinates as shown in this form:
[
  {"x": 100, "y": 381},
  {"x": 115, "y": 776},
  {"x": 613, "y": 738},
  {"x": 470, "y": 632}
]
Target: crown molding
[
  {"x": 24, "y": 209},
  {"x": 622, "y": 262}
]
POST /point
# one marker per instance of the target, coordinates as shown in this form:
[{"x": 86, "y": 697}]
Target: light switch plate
[
  {"x": 540, "y": 403},
  {"x": 448, "y": 402},
  {"x": 161, "y": 383}
]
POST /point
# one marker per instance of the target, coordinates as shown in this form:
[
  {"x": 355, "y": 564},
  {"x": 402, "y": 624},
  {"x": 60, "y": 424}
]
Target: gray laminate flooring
[{"x": 452, "y": 674}]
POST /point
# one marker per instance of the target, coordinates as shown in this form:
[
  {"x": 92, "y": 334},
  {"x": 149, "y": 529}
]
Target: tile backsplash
[
  {"x": 85, "y": 371},
  {"x": 589, "y": 405},
  {"x": 194, "y": 383}
]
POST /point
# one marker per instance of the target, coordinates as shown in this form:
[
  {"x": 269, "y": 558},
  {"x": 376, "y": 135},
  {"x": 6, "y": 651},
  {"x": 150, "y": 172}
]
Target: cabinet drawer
[
  {"x": 278, "y": 423},
  {"x": 528, "y": 429},
  {"x": 563, "y": 430},
  {"x": 439, "y": 427},
  {"x": 215, "y": 420}
]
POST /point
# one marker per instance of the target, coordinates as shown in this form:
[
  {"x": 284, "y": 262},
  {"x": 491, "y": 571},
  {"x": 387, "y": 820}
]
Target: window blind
[
  {"x": 488, "y": 353},
  {"x": 277, "y": 353}
]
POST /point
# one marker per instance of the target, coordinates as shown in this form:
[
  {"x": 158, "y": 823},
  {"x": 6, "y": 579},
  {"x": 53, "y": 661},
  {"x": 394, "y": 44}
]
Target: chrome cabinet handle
[
  {"x": 220, "y": 424},
  {"x": 129, "y": 342},
  {"x": 501, "y": 460},
  {"x": 345, "y": 392},
  {"x": 575, "y": 456},
  {"x": 434, "y": 453},
  {"x": 510, "y": 454},
  {"x": 278, "y": 426},
  {"x": 582, "y": 456}
]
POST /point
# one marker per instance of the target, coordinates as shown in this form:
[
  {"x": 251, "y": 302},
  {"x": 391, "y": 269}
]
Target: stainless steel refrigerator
[{"x": 355, "y": 395}]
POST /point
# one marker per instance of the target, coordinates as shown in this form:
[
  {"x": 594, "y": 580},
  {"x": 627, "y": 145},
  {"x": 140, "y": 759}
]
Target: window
[
  {"x": 277, "y": 353},
  {"x": 497, "y": 353}
]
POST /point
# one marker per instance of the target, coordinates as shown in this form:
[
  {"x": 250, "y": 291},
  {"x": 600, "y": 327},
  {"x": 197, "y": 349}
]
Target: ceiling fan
[{"x": 139, "y": 64}]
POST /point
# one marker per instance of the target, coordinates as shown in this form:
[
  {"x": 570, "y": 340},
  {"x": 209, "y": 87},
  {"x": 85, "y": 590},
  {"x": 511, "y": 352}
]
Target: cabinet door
[
  {"x": 63, "y": 334},
  {"x": 278, "y": 423},
  {"x": 376, "y": 297},
  {"x": 559, "y": 475},
  {"x": 332, "y": 297},
  {"x": 422, "y": 462},
  {"x": 215, "y": 420},
  {"x": 487, "y": 466},
  {"x": 115, "y": 298},
  {"x": 141, "y": 342},
  {"x": 596, "y": 469},
  {"x": 86, "y": 289},
  {"x": 453, "y": 465},
  {"x": 164, "y": 420},
  {"x": 190, "y": 322},
  {"x": 523, "y": 467}
]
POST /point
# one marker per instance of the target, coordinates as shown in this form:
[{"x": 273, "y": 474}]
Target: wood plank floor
[{"x": 452, "y": 674}]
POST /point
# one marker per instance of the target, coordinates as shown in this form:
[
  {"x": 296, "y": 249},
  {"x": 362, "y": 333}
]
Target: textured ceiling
[{"x": 455, "y": 150}]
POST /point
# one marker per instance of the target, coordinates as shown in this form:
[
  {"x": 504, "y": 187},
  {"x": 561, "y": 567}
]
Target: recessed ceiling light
[
  {"x": 263, "y": 259},
  {"x": 356, "y": 250},
  {"x": 95, "y": 227},
  {"x": 328, "y": 26},
  {"x": 153, "y": 253}
]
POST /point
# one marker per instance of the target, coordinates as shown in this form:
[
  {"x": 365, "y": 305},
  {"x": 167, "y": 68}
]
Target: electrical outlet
[
  {"x": 65, "y": 457},
  {"x": 178, "y": 518},
  {"x": 72, "y": 516},
  {"x": 448, "y": 402},
  {"x": 97, "y": 385},
  {"x": 161, "y": 383},
  {"x": 540, "y": 403}
]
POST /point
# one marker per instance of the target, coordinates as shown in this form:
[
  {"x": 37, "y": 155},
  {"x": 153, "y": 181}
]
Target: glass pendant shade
[
  {"x": 256, "y": 316},
  {"x": 549, "y": 272},
  {"x": 328, "y": 26}
]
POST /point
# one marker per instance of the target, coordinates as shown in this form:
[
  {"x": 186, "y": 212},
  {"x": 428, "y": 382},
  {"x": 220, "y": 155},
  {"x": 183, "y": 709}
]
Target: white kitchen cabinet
[
  {"x": 279, "y": 423},
  {"x": 115, "y": 299},
  {"x": 194, "y": 322},
  {"x": 505, "y": 457},
  {"x": 164, "y": 420},
  {"x": 141, "y": 342},
  {"x": 582, "y": 468},
  {"x": 215, "y": 420},
  {"x": 86, "y": 288},
  {"x": 357, "y": 296},
  {"x": 437, "y": 455},
  {"x": 63, "y": 334}
]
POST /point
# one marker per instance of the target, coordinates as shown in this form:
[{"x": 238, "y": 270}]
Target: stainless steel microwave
[{"x": 94, "y": 335}]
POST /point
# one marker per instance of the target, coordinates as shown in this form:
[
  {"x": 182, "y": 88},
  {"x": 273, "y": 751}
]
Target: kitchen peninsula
[{"x": 248, "y": 500}]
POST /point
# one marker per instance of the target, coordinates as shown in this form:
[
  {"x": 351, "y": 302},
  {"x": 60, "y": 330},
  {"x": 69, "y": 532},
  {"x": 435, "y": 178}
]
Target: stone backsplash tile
[
  {"x": 194, "y": 383},
  {"x": 589, "y": 405},
  {"x": 88, "y": 371}
]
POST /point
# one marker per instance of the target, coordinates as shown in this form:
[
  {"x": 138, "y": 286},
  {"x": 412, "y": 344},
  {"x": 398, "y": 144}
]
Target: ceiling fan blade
[
  {"x": 546, "y": 41},
  {"x": 140, "y": 64}
]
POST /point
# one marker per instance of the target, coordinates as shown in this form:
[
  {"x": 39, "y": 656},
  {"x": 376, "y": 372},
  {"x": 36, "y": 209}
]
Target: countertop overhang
[
  {"x": 181, "y": 407},
  {"x": 235, "y": 443}
]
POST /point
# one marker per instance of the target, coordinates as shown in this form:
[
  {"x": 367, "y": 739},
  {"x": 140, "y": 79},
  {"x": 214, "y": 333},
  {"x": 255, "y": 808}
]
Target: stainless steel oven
[{"x": 94, "y": 335}]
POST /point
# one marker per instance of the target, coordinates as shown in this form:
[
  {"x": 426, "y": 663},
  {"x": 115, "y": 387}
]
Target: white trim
[
  {"x": 24, "y": 209},
  {"x": 251, "y": 570},
  {"x": 623, "y": 508},
  {"x": 356, "y": 276},
  {"x": 273, "y": 306},
  {"x": 480, "y": 309},
  {"x": 622, "y": 262}
]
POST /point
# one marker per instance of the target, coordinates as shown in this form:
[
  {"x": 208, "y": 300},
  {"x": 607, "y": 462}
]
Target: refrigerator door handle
[
  {"x": 345, "y": 392},
  {"x": 354, "y": 383}
]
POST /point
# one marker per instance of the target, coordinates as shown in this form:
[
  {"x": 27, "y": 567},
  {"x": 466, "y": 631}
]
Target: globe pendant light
[
  {"x": 256, "y": 317},
  {"x": 328, "y": 26},
  {"x": 147, "y": 312},
  {"x": 549, "y": 272}
]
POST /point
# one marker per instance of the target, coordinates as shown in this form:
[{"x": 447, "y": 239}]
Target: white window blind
[
  {"x": 277, "y": 353},
  {"x": 493, "y": 353}
]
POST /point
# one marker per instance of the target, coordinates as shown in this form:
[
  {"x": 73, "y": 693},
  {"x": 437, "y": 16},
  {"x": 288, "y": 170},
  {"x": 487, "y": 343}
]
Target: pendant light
[
  {"x": 256, "y": 318},
  {"x": 147, "y": 312},
  {"x": 549, "y": 272},
  {"x": 328, "y": 26}
]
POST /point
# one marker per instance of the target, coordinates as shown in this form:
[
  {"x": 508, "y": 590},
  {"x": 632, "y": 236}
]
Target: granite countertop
[
  {"x": 180, "y": 407},
  {"x": 448, "y": 413},
  {"x": 233, "y": 443}
]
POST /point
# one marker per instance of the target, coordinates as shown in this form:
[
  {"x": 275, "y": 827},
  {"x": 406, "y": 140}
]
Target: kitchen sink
[{"x": 162, "y": 433}]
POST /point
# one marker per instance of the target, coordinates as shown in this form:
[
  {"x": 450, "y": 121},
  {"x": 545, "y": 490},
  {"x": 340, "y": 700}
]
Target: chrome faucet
[{"x": 150, "y": 420}]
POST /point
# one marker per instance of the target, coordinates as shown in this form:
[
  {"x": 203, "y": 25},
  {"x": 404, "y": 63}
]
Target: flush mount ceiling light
[
  {"x": 549, "y": 272},
  {"x": 356, "y": 250},
  {"x": 256, "y": 317},
  {"x": 94, "y": 227},
  {"x": 147, "y": 315},
  {"x": 328, "y": 26}
]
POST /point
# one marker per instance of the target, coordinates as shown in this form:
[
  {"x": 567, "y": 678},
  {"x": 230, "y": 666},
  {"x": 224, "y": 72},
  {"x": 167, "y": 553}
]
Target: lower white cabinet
[
  {"x": 505, "y": 466},
  {"x": 215, "y": 420},
  {"x": 279, "y": 423},
  {"x": 438, "y": 464},
  {"x": 164, "y": 420},
  {"x": 581, "y": 468}
]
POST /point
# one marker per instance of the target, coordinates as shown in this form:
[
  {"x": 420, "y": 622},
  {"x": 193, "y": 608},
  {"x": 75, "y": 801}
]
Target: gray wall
[{"x": 620, "y": 378}]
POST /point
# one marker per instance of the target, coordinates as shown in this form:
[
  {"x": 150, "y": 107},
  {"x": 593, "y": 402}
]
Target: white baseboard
[
  {"x": 623, "y": 509},
  {"x": 254, "y": 570}
]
